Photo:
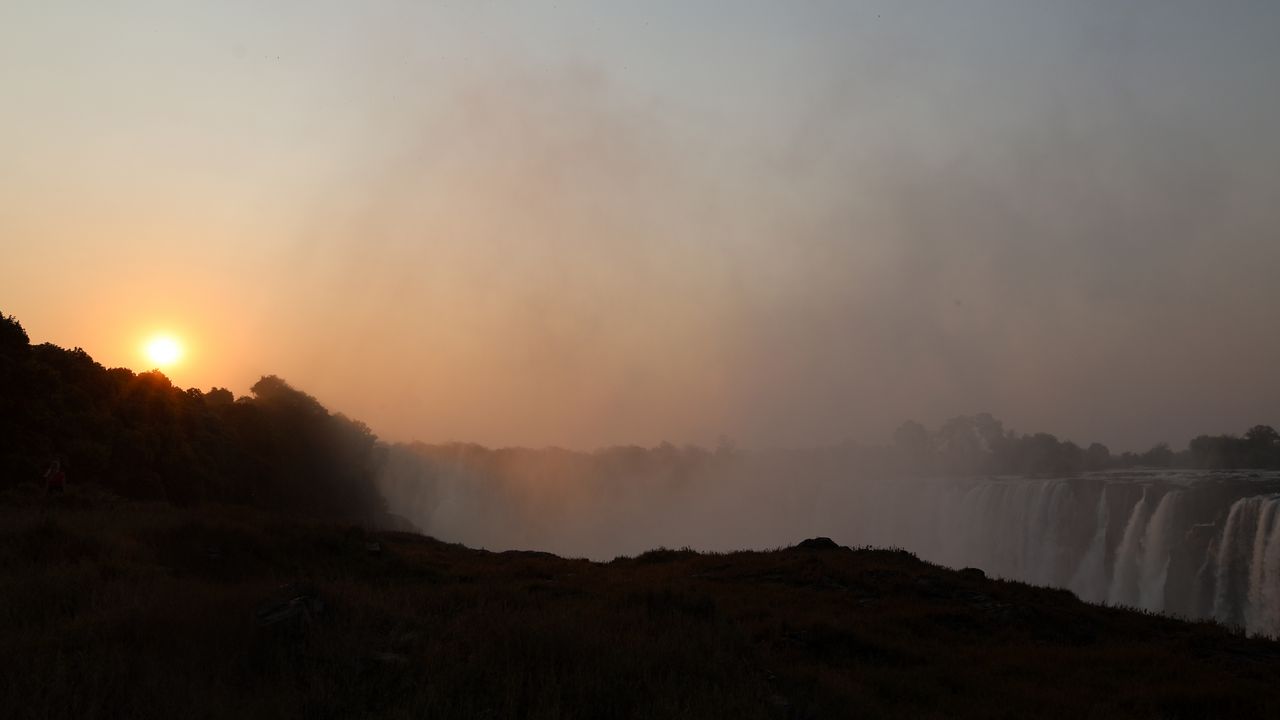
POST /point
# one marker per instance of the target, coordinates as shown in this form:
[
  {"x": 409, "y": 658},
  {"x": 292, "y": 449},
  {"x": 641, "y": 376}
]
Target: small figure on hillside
[{"x": 55, "y": 480}]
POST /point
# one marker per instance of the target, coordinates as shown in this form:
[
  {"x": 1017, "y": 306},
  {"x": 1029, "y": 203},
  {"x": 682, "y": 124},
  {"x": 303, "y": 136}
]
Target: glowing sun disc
[{"x": 164, "y": 350}]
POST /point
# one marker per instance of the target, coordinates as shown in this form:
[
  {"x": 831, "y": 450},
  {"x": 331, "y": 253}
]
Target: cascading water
[
  {"x": 1177, "y": 537},
  {"x": 1247, "y": 583},
  {"x": 1171, "y": 543},
  {"x": 1157, "y": 546},
  {"x": 1230, "y": 584},
  {"x": 1124, "y": 575},
  {"x": 1261, "y": 590},
  {"x": 1264, "y": 592},
  {"x": 1045, "y": 536},
  {"x": 1089, "y": 580},
  {"x": 1199, "y": 544}
]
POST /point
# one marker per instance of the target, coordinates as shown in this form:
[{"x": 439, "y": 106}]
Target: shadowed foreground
[{"x": 113, "y": 609}]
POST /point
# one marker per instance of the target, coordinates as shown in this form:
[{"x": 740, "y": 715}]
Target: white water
[
  {"x": 1157, "y": 546},
  {"x": 1225, "y": 596},
  {"x": 1124, "y": 576},
  {"x": 1247, "y": 583},
  {"x": 1019, "y": 529},
  {"x": 1089, "y": 581},
  {"x": 1202, "y": 545},
  {"x": 1265, "y": 591}
]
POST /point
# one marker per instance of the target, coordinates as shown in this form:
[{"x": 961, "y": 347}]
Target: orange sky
[{"x": 583, "y": 225}]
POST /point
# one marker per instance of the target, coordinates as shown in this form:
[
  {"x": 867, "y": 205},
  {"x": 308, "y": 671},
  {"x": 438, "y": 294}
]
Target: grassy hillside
[{"x": 112, "y": 608}]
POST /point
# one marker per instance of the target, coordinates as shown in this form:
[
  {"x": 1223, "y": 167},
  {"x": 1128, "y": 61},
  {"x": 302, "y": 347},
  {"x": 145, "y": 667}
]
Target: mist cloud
[
  {"x": 587, "y": 228},
  {"x": 542, "y": 258}
]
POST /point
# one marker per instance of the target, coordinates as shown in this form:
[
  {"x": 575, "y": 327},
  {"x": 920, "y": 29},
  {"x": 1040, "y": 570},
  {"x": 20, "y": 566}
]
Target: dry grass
[{"x": 110, "y": 609}]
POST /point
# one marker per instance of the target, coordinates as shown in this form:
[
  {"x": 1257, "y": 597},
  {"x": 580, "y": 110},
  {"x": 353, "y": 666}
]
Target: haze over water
[{"x": 585, "y": 224}]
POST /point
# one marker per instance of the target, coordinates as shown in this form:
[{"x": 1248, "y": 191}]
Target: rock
[
  {"x": 395, "y": 523},
  {"x": 973, "y": 572},
  {"x": 298, "y": 610},
  {"x": 818, "y": 543}
]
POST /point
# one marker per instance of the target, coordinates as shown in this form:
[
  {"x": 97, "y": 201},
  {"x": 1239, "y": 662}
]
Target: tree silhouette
[{"x": 140, "y": 436}]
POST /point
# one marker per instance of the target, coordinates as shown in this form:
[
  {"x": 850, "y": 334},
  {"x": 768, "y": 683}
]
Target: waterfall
[
  {"x": 1247, "y": 584},
  {"x": 1223, "y": 564},
  {"x": 1157, "y": 546},
  {"x": 1006, "y": 542},
  {"x": 979, "y": 538},
  {"x": 1262, "y": 614},
  {"x": 1024, "y": 530},
  {"x": 1125, "y": 574},
  {"x": 1089, "y": 580},
  {"x": 1205, "y": 544},
  {"x": 1010, "y": 528},
  {"x": 1052, "y": 514},
  {"x": 1014, "y": 530},
  {"x": 1171, "y": 546},
  {"x": 965, "y": 523}
]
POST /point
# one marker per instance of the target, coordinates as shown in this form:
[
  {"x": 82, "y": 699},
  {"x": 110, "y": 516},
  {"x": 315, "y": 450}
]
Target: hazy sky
[{"x": 595, "y": 223}]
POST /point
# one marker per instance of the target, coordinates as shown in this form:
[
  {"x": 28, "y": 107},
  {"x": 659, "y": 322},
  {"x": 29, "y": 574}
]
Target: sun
[{"x": 163, "y": 350}]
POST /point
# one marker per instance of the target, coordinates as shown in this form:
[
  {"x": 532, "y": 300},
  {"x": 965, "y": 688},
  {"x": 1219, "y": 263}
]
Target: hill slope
[{"x": 118, "y": 609}]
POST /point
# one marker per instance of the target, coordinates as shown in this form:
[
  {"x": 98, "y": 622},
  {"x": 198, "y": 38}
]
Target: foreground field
[{"x": 112, "y": 609}]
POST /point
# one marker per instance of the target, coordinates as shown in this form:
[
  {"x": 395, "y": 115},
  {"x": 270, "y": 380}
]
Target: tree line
[
  {"x": 980, "y": 444},
  {"x": 139, "y": 436}
]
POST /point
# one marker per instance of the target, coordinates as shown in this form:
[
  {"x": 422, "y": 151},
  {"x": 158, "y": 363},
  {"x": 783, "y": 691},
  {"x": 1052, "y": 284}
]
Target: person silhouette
[{"x": 55, "y": 480}]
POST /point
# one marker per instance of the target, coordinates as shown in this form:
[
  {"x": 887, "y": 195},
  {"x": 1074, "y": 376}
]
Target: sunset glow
[
  {"x": 587, "y": 224},
  {"x": 163, "y": 350},
  {"x": 586, "y": 358}
]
